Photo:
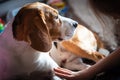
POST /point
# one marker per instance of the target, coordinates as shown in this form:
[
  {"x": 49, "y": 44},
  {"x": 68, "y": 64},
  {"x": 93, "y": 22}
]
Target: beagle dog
[
  {"x": 27, "y": 39},
  {"x": 83, "y": 44}
]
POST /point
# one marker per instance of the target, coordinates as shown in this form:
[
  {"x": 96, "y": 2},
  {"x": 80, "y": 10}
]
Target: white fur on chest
[{"x": 19, "y": 57}]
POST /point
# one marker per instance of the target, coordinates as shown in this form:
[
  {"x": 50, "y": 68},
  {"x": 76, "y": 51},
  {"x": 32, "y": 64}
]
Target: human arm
[{"x": 107, "y": 63}]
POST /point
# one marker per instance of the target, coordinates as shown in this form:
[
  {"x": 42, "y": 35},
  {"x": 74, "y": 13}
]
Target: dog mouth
[
  {"x": 68, "y": 36},
  {"x": 60, "y": 39}
]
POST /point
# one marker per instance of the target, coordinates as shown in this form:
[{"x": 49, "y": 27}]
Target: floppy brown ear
[
  {"x": 20, "y": 27},
  {"x": 75, "y": 49},
  {"x": 40, "y": 37},
  {"x": 31, "y": 27}
]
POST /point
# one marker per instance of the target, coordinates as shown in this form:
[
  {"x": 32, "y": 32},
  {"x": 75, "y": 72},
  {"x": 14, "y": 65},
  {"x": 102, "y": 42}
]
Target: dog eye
[{"x": 56, "y": 17}]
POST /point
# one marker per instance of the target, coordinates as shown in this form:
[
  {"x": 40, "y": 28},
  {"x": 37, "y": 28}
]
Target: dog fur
[
  {"x": 65, "y": 58},
  {"x": 27, "y": 39},
  {"x": 83, "y": 44}
]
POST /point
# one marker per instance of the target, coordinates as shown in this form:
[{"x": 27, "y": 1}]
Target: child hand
[{"x": 70, "y": 75}]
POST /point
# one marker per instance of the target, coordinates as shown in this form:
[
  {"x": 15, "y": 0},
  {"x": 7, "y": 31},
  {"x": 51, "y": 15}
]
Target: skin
[{"x": 105, "y": 64}]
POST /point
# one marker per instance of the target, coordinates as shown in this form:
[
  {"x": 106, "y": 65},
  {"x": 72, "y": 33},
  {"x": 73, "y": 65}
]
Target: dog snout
[{"x": 75, "y": 24}]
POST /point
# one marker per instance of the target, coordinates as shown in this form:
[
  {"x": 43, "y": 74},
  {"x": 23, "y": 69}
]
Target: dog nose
[{"x": 75, "y": 24}]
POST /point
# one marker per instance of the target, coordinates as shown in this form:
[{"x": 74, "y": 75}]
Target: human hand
[{"x": 70, "y": 75}]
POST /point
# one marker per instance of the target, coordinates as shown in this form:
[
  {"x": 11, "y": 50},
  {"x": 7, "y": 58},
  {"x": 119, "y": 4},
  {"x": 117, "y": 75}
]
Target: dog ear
[
  {"x": 40, "y": 37},
  {"x": 30, "y": 26},
  {"x": 20, "y": 26},
  {"x": 77, "y": 50},
  {"x": 72, "y": 47}
]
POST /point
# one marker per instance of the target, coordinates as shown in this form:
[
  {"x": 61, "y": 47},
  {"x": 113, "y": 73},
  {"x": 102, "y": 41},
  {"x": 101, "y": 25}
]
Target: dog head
[{"x": 37, "y": 24}]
